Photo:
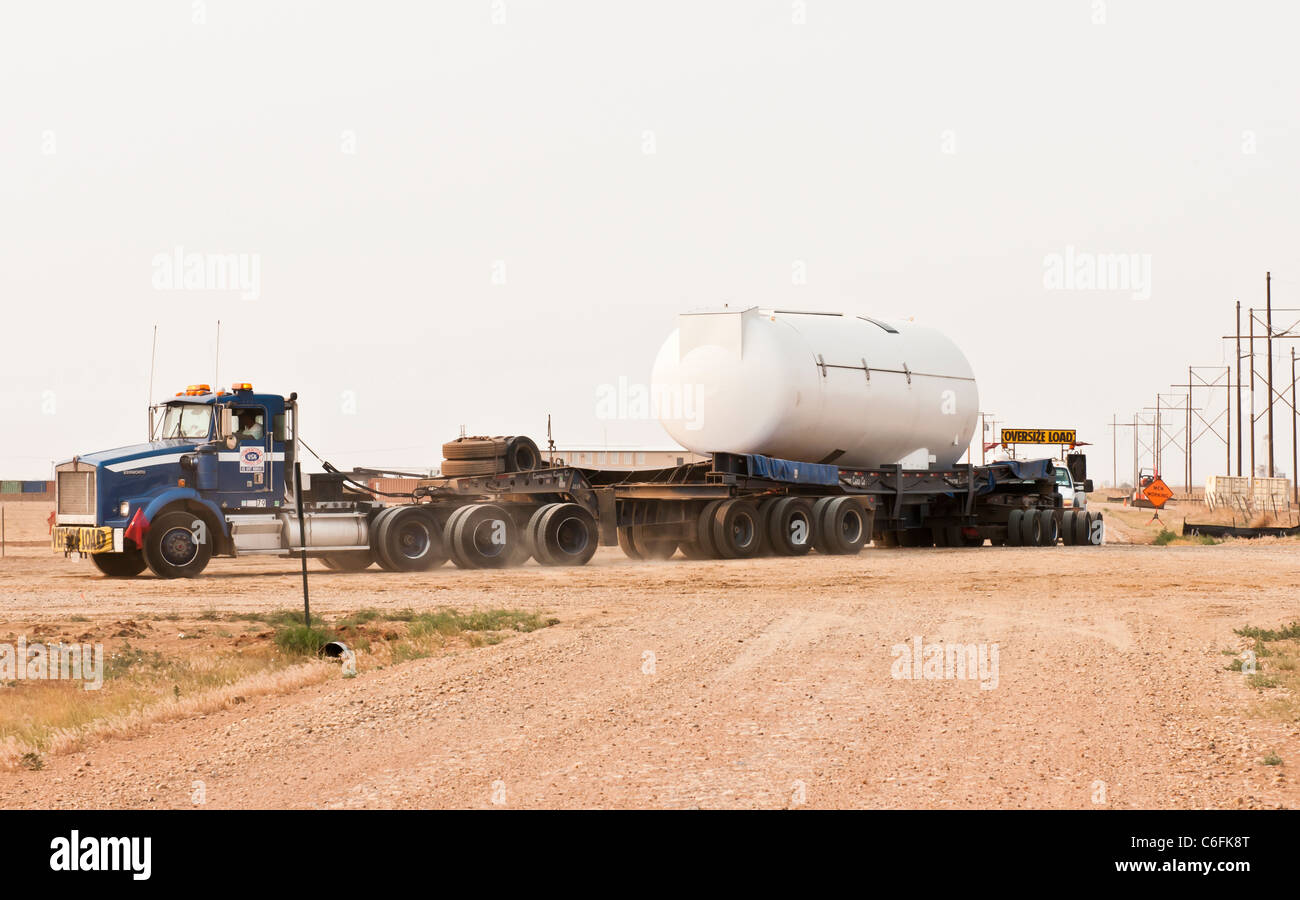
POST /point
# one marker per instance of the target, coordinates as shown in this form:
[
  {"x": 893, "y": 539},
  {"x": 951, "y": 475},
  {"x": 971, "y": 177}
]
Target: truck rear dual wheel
[
  {"x": 178, "y": 544},
  {"x": 482, "y": 536},
  {"x": 406, "y": 539},
  {"x": 562, "y": 534},
  {"x": 126, "y": 564}
]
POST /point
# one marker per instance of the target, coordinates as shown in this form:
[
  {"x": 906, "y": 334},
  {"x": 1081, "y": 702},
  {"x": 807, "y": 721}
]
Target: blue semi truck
[{"x": 217, "y": 478}]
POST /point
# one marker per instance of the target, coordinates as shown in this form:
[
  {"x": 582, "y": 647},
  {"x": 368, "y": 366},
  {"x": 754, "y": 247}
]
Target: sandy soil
[{"x": 763, "y": 683}]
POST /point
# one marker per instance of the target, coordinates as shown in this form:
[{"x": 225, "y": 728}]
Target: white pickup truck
[{"x": 1074, "y": 494}]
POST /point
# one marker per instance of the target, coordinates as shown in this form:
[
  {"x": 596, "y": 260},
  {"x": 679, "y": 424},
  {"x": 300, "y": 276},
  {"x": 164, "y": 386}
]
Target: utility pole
[
  {"x": 1295, "y": 482},
  {"x": 1114, "y": 451},
  {"x": 1238, "y": 390},
  {"x": 1250, "y": 314},
  {"x": 1268, "y": 323}
]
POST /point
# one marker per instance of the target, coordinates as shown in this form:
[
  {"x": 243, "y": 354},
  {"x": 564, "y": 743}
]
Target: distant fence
[{"x": 1248, "y": 495}]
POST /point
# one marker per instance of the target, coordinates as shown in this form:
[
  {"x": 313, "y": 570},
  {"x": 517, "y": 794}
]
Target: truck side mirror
[
  {"x": 1087, "y": 485},
  {"x": 225, "y": 430}
]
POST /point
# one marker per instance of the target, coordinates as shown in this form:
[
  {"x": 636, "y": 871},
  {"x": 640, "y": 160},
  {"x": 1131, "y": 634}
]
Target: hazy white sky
[{"x": 387, "y": 165}]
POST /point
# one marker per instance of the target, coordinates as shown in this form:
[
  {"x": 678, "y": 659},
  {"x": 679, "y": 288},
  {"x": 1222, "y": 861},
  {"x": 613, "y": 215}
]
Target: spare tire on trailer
[
  {"x": 845, "y": 526},
  {"x": 521, "y": 454},
  {"x": 563, "y": 534},
  {"x": 474, "y": 448},
  {"x": 483, "y": 537},
  {"x": 458, "y": 468},
  {"x": 408, "y": 539}
]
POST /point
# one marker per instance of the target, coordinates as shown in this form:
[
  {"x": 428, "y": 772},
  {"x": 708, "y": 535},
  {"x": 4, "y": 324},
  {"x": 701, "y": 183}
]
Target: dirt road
[{"x": 764, "y": 683}]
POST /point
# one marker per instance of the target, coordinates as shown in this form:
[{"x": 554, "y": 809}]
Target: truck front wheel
[
  {"x": 178, "y": 545},
  {"x": 127, "y": 564}
]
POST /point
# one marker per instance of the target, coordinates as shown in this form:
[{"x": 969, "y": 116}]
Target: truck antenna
[
  {"x": 216, "y": 366},
  {"x": 153, "y": 358}
]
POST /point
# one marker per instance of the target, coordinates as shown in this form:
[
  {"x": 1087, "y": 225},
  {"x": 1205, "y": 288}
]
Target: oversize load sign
[{"x": 1039, "y": 436}]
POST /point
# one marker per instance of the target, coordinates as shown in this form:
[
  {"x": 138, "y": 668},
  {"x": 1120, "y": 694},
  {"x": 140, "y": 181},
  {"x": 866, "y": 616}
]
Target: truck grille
[{"x": 77, "y": 493}]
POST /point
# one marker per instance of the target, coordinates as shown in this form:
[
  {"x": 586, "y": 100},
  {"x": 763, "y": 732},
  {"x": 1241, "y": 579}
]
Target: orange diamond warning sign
[{"x": 1157, "y": 492}]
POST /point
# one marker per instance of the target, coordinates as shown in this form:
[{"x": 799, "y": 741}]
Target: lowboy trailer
[{"x": 218, "y": 479}]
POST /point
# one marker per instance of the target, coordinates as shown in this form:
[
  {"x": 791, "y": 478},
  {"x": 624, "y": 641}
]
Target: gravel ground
[{"x": 763, "y": 683}]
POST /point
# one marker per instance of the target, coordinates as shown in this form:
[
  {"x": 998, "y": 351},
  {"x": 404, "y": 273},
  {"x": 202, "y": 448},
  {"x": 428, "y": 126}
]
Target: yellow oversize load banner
[
  {"x": 1039, "y": 436},
  {"x": 82, "y": 539}
]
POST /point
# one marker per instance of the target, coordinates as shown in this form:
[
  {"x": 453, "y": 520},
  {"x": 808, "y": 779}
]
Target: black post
[{"x": 302, "y": 541}]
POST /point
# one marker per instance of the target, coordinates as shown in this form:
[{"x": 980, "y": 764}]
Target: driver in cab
[{"x": 250, "y": 426}]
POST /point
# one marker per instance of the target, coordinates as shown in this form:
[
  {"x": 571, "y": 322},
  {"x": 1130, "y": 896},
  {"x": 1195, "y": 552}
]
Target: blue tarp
[{"x": 791, "y": 471}]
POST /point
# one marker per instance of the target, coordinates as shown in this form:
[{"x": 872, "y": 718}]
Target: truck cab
[{"x": 171, "y": 502}]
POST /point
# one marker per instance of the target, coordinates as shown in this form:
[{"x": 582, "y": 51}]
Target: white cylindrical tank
[{"x": 815, "y": 387}]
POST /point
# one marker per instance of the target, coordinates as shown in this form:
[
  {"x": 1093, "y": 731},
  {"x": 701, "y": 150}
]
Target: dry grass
[
  {"x": 177, "y": 677},
  {"x": 1277, "y": 675}
]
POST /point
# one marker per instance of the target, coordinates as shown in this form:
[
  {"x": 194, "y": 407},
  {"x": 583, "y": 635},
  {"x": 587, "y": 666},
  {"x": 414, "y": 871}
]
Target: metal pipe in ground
[{"x": 302, "y": 540}]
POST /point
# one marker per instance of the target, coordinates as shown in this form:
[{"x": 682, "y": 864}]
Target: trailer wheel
[
  {"x": 737, "y": 529},
  {"x": 564, "y": 534},
  {"x": 127, "y": 564},
  {"x": 1069, "y": 526},
  {"x": 790, "y": 526},
  {"x": 178, "y": 545},
  {"x": 703, "y": 546},
  {"x": 449, "y": 535},
  {"x": 660, "y": 548},
  {"x": 1083, "y": 528},
  {"x": 819, "y": 533},
  {"x": 349, "y": 560},
  {"x": 1015, "y": 521},
  {"x": 409, "y": 540},
  {"x": 1031, "y": 529},
  {"x": 627, "y": 545},
  {"x": 1096, "y": 529},
  {"x": 1047, "y": 528},
  {"x": 484, "y": 537},
  {"x": 844, "y": 526}
]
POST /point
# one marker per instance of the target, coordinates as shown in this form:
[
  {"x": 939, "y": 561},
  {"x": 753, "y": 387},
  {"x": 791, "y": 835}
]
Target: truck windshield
[
  {"x": 187, "y": 420},
  {"x": 1063, "y": 477}
]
